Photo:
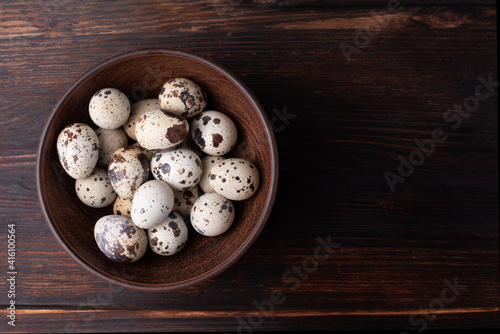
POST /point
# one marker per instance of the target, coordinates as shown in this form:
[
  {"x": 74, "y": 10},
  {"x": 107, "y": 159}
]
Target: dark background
[{"x": 348, "y": 122}]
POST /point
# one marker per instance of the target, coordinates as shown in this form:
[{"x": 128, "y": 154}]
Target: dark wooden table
[{"x": 386, "y": 123}]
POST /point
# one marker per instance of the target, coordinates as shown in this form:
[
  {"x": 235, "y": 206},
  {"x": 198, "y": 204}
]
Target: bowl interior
[{"x": 141, "y": 75}]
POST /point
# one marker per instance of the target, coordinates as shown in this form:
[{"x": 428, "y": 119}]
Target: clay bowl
[{"x": 140, "y": 74}]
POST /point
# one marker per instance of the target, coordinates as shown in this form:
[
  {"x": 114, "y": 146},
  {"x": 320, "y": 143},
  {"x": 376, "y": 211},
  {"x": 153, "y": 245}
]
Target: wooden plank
[
  {"x": 111, "y": 321},
  {"x": 352, "y": 120},
  {"x": 355, "y": 3}
]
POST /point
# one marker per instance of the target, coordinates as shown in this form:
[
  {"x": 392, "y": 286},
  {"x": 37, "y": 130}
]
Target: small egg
[
  {"x": 95, "y": 190},
  {"x": 152, "y": 203},
  {"x": 184, "y": 200},
  {"x": 119, "y": 239},
  {"x": 180, "y": 168},
  {"x": 189, "y": 143},
  {"x": 208, "y": 162},
  {"x": 236, "y": 179},
  {"x": 149, "y": 153},
  {"x": 109, "y": 142},
  {"x": 128, "y": 168},
  {"x": 186, "y": 143},
  {"x": 170, "y": 236},
  {"x": 78, "y": 150},
  {"x": 109, "y": 108},
  {"x": 182, "y": 97},
  {"x": 213, "y": 132},
  {"x": 212, "y": 214},
  {"x": 122, "y": 207},
  {"x": 158, "y": 130},
  {"x": 139, "y": 109}
]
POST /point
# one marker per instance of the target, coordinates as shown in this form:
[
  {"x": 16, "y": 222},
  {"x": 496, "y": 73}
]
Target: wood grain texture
[{"x": 348, "y": 122}]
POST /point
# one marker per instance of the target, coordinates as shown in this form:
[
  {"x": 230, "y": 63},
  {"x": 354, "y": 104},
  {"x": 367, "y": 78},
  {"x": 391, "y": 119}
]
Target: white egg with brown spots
[
  {"x": 109, "y": 108},
  {"x": 152, "y": 203},
  {"x": 95, "y": 190},
  {"x": 180, "y": 168},
  {"x": 149, "y": 153},
  {"x": 109, "y": 142},
  {"x": 128, "y": 168},
  {"x": 119, "y": 239},
  {"x": 122, "y": 207},
  {"x": 236, "y": 179},
  {"x": 182, "y": 97},
  {"x": 208, "y": 162},
  {"x": 158, "y": 130},
  {"x": 184, "y": 200},
  {"x": 137, "y": 110},
  {"x": 78, "y": 150},
  {"x": 214, "y": 132},
  {"x": 212, "y": 214},
  {"x": 168, "y": 237},
  {"x": 189, "y": 143}
]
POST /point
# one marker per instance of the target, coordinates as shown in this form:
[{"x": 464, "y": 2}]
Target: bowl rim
[{"x": 245, "y": 246}]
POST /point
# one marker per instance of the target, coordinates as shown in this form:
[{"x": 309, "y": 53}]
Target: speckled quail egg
[
  {"x": 152, "y": 203},
  {"x": 122, "y": 207},
  {"x": 180, "y": 168},
  {"x": 236, "y": 179},
  {"x": 184, "y": 200},
  {"x": 109, "y": 142},
  {"x": 170, "y": 236},
  {"x": 137, "y": 110},
  {"x": 119, "y": 239},
  {"x": 212, "y": 214},
  {"x": 95, "y": 190},
  {"x": 208, "y": 162},
  {"x": 186, "y": 143},
  {"x": 182, "y": 97},
  {"x": 78, "y": 150},
  {"x": 128, "y": 168},
  {"x": 189, "y": 143},
  {"x": 213, "y": 132},
  {"x": 149, "y": 153},
  {"x": 158, "y": 130},
  {"x": 109, "y": 108}
]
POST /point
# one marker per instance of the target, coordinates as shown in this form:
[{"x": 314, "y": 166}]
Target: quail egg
[
  {"x": 119, "y": 239},
  {"x": 109, "y": 142},
  {"x": 149, "y": 153},
  {"x": 236, "y": 179},
  {"x": 212, "y": 214},
  {"x": 170, "y": 236},
  {"x": 213, "y": 132},
  {"x": 122, "y": 207},
  {"x": 95, "y": 190},
  {"x": 180, "y": 168},
  {"x": 128, "y": 168},
  {"x": 158, "y": 130},
  {"x": 78, "y": 150},
  {"x": 189, "y": 143},
  {"x": 152, "y": 203},
  {"x": 208, "y": 162},
  {"x": 182, "y": 97},
  {"x": 184, "y": 200},
  {"x": 109, "y": 108},
  {"x": 139, "y": 109}
]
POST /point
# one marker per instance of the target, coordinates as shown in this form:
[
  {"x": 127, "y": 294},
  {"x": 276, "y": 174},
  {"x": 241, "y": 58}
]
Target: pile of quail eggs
[{"x": 158, "y": 182}]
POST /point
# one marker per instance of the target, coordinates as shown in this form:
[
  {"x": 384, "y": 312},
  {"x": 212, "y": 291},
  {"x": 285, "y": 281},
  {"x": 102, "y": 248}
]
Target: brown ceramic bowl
[{"x": 140, "y": 74}]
